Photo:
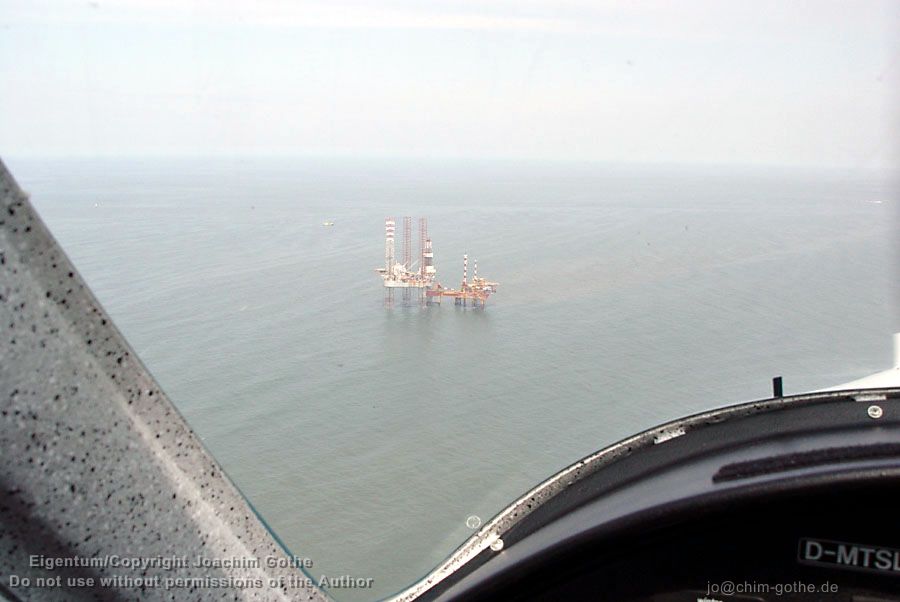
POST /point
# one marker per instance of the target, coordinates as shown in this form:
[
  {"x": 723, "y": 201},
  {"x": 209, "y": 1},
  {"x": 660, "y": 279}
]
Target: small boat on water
[{"x": 327, "y": 223}]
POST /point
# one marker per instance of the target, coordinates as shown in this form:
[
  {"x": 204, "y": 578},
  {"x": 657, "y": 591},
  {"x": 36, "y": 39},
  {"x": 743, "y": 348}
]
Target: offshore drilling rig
[{"x": 417, "y": 279}]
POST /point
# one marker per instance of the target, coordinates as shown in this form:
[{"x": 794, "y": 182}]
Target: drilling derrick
[
  {"x": 407, "y": 242},
  {"x": 407, "y": 256},
  {"x": 423, "y": 236}
]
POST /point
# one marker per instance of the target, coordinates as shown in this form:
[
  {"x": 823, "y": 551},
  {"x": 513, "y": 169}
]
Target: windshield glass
[{"x": 676, "y": 203}]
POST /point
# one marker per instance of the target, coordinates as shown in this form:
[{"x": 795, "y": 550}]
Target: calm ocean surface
[{"x": 366, "y": 436}]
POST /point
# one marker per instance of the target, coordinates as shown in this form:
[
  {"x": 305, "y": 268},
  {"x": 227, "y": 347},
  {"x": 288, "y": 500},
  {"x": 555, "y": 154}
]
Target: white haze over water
[
  {"x": 365, "y": 437},
  {"x": 767, "y": 82}
]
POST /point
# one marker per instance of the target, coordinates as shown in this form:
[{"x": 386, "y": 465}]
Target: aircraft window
[{"x": 654, "y": 195}]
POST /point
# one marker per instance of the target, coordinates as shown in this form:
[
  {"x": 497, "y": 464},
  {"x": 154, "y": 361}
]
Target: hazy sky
[{"x": 779, "y": 82}]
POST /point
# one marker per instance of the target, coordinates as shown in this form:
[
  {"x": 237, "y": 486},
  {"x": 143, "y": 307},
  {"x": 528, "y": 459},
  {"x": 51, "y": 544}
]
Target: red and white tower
[
  {"x": 465, "y": 270},
  {"x": 389, "y": 225}
]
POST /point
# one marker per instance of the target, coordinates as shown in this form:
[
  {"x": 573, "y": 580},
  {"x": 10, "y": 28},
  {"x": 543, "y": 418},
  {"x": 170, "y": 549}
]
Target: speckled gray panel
[{"x": 97, "y": 465}]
